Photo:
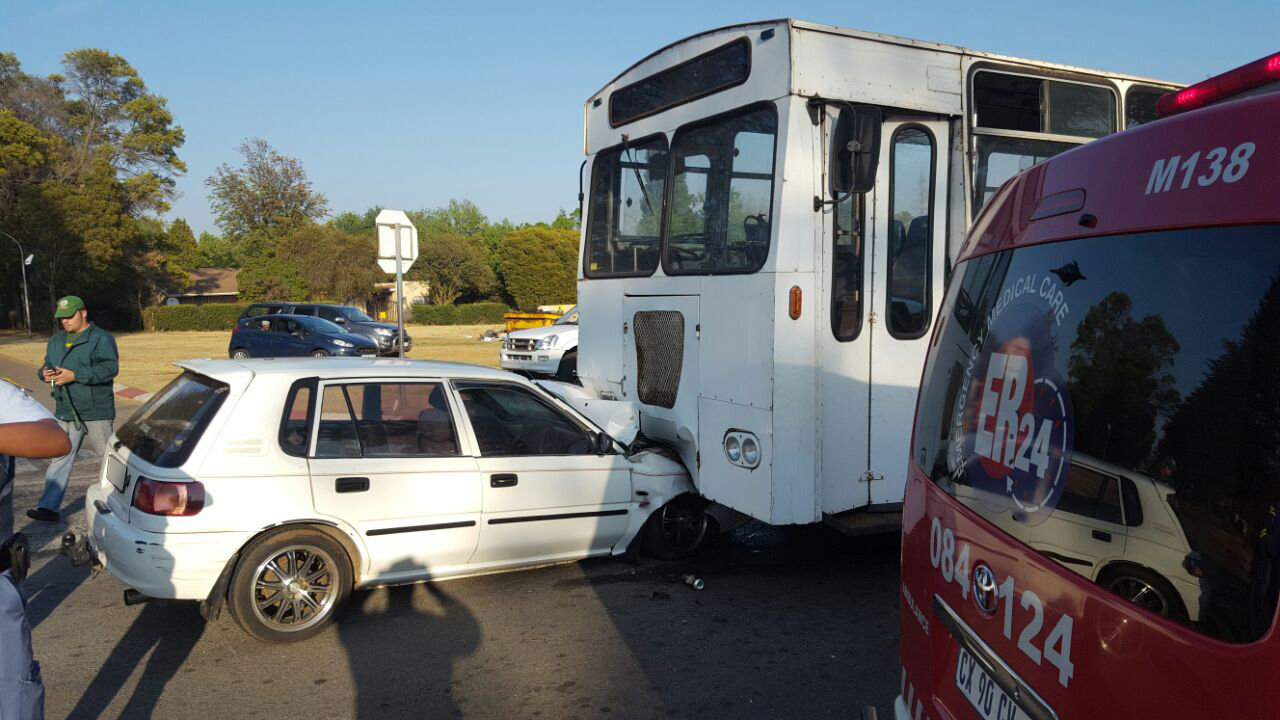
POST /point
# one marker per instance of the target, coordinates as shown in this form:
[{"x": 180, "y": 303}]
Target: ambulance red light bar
[{"x": 1220, "y": 87}]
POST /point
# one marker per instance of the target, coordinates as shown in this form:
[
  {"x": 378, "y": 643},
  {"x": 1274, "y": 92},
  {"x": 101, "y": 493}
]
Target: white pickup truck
[{"x": 551, "y": 350}]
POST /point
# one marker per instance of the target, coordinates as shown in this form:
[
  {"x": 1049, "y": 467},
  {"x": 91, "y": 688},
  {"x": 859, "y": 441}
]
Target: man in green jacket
[{"x": 80, "y": 365}]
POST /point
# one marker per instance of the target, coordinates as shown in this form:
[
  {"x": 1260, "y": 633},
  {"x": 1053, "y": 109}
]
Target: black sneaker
[{"x": 44, "y": 515}]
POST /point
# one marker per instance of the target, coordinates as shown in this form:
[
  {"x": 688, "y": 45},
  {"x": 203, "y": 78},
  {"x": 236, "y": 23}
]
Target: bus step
[{"x": 861, "y": 521}]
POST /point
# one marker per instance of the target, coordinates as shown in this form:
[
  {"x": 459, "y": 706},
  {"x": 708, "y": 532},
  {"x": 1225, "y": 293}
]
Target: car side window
[
  {"x": 336, "y": 434},
  {"x": 1091, "y": 494},
  {"x": 386, "y": 420},
  {"x": 287, "y": 326},
  {"x": 329, "y": 314},
  {"x": 510, "y": 420},
  {"x": 295, "y": 425},
  {"x": 308, "y": 310}
]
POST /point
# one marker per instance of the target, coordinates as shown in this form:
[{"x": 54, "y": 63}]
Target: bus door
[
  {"x": 907, "y": 214},
  {"x": 660, "y": 366},
  {"x": 844, "y": 339}
]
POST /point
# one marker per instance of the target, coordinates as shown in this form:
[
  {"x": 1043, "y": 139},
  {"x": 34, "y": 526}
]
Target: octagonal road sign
[{"x": 393, "y": 224}]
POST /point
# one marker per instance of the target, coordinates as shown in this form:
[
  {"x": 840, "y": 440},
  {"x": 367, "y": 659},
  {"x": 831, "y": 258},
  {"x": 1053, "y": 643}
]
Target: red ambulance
[{"x": 1091, "y": 526}]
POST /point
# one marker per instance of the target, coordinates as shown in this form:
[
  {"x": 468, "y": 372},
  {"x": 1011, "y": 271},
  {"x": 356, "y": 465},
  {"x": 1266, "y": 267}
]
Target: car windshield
[
  {"x": 322, "y": 326},
  {"x": 355, "y": 315},
  {"x": 569, "y": 318}
]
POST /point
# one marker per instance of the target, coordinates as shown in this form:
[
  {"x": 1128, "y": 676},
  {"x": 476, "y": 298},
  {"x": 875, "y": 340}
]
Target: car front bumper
[
  {"x": 388, "y": 346},
  {"x": 172, "y": 566},
  {"x": 546, "y": 362}
]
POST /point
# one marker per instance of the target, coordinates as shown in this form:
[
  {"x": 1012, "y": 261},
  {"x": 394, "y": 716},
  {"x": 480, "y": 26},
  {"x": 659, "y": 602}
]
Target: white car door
[
  {"x": 547, "y": 494},
  {"x": 388, "y": 460}
]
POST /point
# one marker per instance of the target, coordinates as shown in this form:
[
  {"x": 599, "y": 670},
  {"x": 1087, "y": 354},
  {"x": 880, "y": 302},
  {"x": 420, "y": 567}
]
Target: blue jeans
[{"x": 55, "y": 480}]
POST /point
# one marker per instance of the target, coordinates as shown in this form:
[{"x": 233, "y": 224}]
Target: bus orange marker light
[{"x": 795, "y": 302}]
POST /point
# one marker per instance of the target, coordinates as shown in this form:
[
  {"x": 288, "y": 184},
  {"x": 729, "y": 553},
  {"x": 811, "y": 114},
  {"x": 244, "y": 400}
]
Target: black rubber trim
[
  {"x": 565, "y": 516},
  {"x": 421, "y": 528},
  {"x": 1065, "y": 559}
]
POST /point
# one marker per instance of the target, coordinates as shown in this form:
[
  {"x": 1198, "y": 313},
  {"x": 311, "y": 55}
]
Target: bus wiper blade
[{"x": 644, "y": 190}]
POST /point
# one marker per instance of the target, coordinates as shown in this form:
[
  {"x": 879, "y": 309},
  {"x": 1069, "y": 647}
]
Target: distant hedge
[
  {"x": 192, "y": 317},
  {"x": 470, "y": 314}
]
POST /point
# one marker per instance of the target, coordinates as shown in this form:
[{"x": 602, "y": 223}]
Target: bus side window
[
  {"x": 911, "y": 213},
  {"x": 846, "y": 269}
]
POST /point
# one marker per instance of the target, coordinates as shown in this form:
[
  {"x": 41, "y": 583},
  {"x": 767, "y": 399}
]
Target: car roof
[{"x": 345, "y": 367}]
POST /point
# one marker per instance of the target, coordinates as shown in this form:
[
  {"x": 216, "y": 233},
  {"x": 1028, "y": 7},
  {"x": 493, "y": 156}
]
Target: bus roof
[
  {"x": 791, "y": 23},
  {"x": 1209, "y": 167}
]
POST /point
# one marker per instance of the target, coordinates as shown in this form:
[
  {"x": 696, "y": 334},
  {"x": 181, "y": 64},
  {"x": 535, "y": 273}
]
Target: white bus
[{"x": 771, "y": 213}]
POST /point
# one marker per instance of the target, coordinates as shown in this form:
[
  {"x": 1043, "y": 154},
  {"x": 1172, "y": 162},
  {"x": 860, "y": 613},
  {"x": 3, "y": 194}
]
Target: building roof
[{"x": 212, "y": 281}]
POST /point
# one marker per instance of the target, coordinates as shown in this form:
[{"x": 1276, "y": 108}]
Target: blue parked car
[{"x": 294, "y": 335}]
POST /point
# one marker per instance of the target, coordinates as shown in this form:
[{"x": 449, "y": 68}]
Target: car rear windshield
[
  {"x": 1113, "y": 403},
  {"x": 165, "y": 430}
]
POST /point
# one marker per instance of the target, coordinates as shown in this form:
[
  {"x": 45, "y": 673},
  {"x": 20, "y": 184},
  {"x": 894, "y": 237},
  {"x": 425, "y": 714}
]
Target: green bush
[
  {"x": 539, "y": 266},
  {"x": 192, "y": 317},
  {"x": 471, "y": 314}
]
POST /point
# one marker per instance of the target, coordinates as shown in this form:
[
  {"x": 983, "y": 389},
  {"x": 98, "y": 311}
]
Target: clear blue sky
[{"x": 409, "y": 104}]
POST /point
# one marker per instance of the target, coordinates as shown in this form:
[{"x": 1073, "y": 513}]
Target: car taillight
[
  {"x": 1219, "y": 87},
  {"x": 157, "y": 497}
]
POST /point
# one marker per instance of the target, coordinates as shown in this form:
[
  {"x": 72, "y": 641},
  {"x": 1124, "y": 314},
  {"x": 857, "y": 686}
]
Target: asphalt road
[{"x": 793, "y": 623}]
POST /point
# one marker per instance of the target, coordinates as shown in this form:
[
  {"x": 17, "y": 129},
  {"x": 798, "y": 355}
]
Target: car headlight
[
  {"x": 342, "y": 343},
  {"x": 750, "y": 452},
  {"x": 383, "y": 331},
  {"x": 548, "y": 342}
]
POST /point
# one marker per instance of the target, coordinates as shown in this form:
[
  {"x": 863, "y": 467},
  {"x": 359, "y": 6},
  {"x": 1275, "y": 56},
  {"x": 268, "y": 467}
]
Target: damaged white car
[{"x": 276, "y": 487}]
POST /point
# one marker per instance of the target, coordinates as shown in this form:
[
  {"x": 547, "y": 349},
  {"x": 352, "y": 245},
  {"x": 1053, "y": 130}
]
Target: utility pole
[{"x": 23, "y": 261}]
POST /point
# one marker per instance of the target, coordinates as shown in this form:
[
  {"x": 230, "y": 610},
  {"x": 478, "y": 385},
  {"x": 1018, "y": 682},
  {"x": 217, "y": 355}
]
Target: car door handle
[
  {"x": 503, "y": 480},
  {"x": 351, "y": 484},
  {"x": 1103, "y": 536}
]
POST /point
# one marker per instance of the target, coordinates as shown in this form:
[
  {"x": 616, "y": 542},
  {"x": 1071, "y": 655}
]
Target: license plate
[
  {"x": 988, "y": 698},
  {"x": 115, "y": 472}
]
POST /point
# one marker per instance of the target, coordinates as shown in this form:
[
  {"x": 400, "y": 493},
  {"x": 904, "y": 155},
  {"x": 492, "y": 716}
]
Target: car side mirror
[
  {"x": 340, "y": 320},
  {"x": 855, "y": 149},
  {"x": 602, "y": 443}
]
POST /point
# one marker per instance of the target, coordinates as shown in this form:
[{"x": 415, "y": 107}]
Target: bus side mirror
[{"x": 855, "y": 149}]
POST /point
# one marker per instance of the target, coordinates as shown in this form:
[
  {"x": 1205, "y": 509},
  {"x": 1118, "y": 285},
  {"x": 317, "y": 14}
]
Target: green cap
[{"x": 68, "y": 306}]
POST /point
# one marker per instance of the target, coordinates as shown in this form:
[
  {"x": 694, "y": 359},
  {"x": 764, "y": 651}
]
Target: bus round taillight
[{"x": 157, "y": 497}]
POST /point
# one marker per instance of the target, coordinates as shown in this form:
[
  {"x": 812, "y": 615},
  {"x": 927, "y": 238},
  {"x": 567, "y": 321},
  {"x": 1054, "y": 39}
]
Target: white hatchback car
[{"x": 278, "y": 486}]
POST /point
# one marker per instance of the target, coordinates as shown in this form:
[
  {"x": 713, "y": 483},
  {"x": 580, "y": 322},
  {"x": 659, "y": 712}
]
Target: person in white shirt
[{"x": 26, "y": 430}]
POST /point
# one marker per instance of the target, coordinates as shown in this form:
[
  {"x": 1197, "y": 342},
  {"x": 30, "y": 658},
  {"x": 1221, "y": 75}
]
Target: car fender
[
  {"x": 656, "y": 479},
  {"x": 346, "y": 536}
]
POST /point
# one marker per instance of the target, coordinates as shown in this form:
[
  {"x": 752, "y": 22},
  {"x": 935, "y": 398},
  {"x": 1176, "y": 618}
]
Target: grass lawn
[{"x": 146, "y": 358}]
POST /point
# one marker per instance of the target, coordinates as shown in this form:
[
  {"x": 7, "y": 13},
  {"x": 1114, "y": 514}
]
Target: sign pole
[{"x": 399, "y": 296}]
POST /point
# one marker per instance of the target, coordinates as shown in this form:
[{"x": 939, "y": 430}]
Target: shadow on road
[
  {"x": 168, "y": 631},
  {"x": 430, "y": 631}
]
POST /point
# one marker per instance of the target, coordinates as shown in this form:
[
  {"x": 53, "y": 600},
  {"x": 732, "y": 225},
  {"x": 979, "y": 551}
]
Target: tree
[
  {"x": 267, "y": 277},
  {"x": 452, "y": 266},
  {"x": 334, "y": 265},
  {"x": 1120, "y": 382},
  {"x": 181, "y": 245},
  {"x": 460, "y": 217},
  {"x": 269, "y": 195},
  {"x": 222, "y": 252},
  {"x": 540, "y": 266}
]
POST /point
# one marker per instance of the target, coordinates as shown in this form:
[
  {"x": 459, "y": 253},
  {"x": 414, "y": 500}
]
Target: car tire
[
  {"x": 319, "y": 353},
  {"x": 309, "y": 571},
  {"x": 1144, "y": 588},
  {"x": 568, "y": 371},
  {"x": 679, "y": 529},
  {"x": 239, "y": 354}
]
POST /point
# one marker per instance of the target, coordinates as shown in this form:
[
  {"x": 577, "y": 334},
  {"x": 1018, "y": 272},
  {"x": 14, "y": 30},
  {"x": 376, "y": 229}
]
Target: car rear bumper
[{"x": 174, "y": 566}]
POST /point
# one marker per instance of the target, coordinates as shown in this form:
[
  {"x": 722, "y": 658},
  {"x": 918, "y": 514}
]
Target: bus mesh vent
[{"x": 659, "y": 356}]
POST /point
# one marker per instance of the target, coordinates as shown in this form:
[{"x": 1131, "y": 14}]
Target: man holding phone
[{"x": 80, "y": 365}]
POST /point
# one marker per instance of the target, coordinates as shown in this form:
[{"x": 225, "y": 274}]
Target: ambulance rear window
[{"x": 1113, "y": 402}]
